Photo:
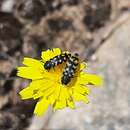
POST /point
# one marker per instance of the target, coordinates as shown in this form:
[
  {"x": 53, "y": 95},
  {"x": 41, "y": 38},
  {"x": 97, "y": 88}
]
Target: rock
[
  {"x": 110, "y": 105},
  {"x": 10, "y": 33},
  {"x": 7, "y": 6},
  {"x": 123, "y": 4},
  {"x": 8, "y": 121},
  {"x": 64, "y": 27},
  {"x": 26, "y": 9},
  {"x": 97, "y": 13},
  {"x": 67, "y": 31}
]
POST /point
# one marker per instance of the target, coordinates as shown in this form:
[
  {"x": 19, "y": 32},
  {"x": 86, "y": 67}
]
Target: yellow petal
[
  {"x": 50, "y": 53},
  {"x": 82, "y": 89},
  {"x": 66, "y": 93},
  {"x": 51, "y": 99},
  {"x": 33, "y": 89},
  {"x": 61, "y": 100},
  {"x": 41, "y": 106},
  {"x": 47, "y": 91},
  {"x": 33, "y": 63},
  {"x": 70, "y": 91},
  {"x": 68, "y": 97},
  {"x": 64, "y": 100},
  {"x": 29, "y": 73},
  {"x": 26, "y": 93},
  {"x": 59, "y": 105},
  {"x": 39, "y": 84},
  {"x": 71, "y": 104},
  {"x": 57, "y": 92},
  {"x": 80, "y": 97},
  {"x": 62, "y": 94},
  {"x": 82, "y": 66},
  {"x": 38, "y": 95},
  {"x": 56, "y": 51},
  {"x": 55, "y": 95},
  {"x": 89, "y": 79},
  {"x": 30, "y": 90}
]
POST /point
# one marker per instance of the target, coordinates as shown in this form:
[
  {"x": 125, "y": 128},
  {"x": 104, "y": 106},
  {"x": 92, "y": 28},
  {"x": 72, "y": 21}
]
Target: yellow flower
[{"x": 47, "y": 87}]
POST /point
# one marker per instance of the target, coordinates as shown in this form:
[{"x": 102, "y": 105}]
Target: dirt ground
[{"x": 99, "y": 30}]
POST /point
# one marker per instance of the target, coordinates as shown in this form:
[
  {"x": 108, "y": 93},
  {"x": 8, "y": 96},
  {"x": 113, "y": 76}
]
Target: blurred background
[{"x": 99, "y": 30}]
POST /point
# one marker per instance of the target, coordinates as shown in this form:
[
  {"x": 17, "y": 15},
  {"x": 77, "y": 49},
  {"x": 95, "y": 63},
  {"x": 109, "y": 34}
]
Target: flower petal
[
  {"x": 69, "y": 99},
  {"x": 82, "y": 89},
  {"x": 62, "y": 100},
  {"x": 59, "y": 105},
  {"x": 80, "y": 97},
  {"x": 89, "y": 79},
  {"x": 33, "y": 63},
  {"x": 55, "y": 95},
  {"x": 38, "y": 84},
  {"x": 41, "y": 106},
  {"x": 82, "y": 66},
  {"x": 47, "y": 91},
  {"x": 51, "y": 99},
  {"x": 71, "y": 104},
  {"x": 57, "y": 92},
  {"x": 30, "y": 73},
  {"x": 50, "y": 53},
  {"x": 26, "y": 93},
  {"x": 62, "y": 94}
]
